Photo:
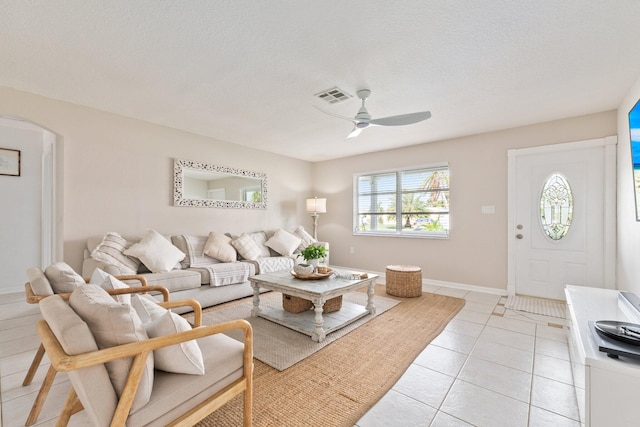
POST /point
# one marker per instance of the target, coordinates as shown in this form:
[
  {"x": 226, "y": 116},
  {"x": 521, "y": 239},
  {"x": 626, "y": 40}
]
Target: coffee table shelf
[{"x": 314, "y": 322}]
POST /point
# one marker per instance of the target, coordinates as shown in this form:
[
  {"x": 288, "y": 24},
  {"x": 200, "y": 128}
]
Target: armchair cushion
[
  {"x": 111, "y": 324},
  {"x": 156, "y": 252},
  {"x": 92, "y": 383},
  {"x": 62, "y": 278},
  {"x": 111, "y": 250},
  {"x": 39, "y": 282},
  {"x": 219, "y": 246},
  {"x": 183, "y": 358},
  {"x": 107, "y": 281}
]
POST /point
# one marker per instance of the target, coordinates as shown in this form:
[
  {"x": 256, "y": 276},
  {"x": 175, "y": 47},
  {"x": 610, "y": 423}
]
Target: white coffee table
[{"x": 313, "y": 323}]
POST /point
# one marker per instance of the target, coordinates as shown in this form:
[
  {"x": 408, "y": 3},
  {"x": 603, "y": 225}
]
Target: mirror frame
[{"x": 178, "y": 186}]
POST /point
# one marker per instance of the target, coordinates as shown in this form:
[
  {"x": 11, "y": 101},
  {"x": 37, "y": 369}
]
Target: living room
[{"x": 114, "y": 172}]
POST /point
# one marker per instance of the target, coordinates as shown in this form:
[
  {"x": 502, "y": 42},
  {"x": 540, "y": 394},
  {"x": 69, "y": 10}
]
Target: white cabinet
[{"x": 608, "y": 390}]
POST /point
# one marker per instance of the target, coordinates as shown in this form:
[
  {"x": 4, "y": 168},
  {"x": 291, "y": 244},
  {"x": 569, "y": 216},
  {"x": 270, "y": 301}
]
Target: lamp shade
[{"x": 316, "y": 205}]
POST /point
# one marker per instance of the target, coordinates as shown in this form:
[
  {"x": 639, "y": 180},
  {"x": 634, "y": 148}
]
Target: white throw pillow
[
  {"x": 111, "y": 250},
  {"x": 156, "y": 252},
  {"x": 247, "y": 247},
  {"x": 260, "y": 237},
  {"x": 62, "y": 278},
  {"x": 112, "y": 324},
  {"x": 219, "y": 246},
  {"x": 183, "y": 358},
  {"x": 283, "y": 242},
  {"x": 307, "y": 239},
  {"x": 107, "y": 281}
]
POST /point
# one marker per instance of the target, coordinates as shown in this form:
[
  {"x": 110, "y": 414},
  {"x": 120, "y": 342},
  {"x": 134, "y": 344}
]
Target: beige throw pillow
[
  {"x": 219, "y": 246},
  {"x": 183, "y": 358},
  {"x": 156, "y": 252},
  {"x": 307, "y": 239},
  {"x": 247, "y": 247},
  {"x": 112, "y": 324},
  {"x": 111, "y": 250},
  {"x": 62, "y": 278},
  {"x": 283, "y": 242},
  {"x": 107, "y": 281}
]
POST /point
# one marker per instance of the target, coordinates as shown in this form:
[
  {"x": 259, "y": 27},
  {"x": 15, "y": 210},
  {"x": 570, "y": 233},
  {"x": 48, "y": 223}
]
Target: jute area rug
[
  {"x": 281, "y": 347},
  {"x": 338, "y": 384}
]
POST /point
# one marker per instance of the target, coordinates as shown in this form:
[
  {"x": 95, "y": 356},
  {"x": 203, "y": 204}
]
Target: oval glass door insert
[{"x": 556, "y": 206}]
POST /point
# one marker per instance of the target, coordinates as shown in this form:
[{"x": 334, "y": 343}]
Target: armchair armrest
[
  {"x": 197, "y": 308},
  {"x": 144, "y": 288}
]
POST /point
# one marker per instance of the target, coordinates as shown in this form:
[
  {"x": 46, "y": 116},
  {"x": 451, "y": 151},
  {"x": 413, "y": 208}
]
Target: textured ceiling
[{"x": 245, "y": 71}]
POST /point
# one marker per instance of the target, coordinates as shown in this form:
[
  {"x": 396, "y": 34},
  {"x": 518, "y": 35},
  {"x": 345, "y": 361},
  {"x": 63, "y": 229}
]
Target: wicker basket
[
  {"x": 298, "y": 305},
  {"x": 404, "y": 281}
]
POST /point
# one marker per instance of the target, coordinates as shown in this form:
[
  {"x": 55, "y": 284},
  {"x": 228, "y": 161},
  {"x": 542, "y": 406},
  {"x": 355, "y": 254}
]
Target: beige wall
[
  {"x": 118, "y": 175},
  {"x": 628, "y": 268},
  {"x": 476, "y": 252}
]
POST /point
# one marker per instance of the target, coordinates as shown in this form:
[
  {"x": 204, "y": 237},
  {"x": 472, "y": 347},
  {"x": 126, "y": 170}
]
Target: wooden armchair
[
  {"x": 176, "y": 399},
  {"x": 32, "y": 298}
]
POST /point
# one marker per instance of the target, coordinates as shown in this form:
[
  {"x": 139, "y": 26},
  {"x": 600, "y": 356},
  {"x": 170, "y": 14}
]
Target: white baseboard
[{"x": 440, "y": 283}]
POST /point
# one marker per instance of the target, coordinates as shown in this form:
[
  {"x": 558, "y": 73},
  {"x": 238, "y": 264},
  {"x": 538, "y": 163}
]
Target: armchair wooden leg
[
  {"x": 34, "y": 365},
  {"x": 71, "y": 406},
  {"x": 40, "y": 398}
]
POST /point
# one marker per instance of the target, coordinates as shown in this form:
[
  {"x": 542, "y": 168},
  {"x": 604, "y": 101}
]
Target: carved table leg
[
  {"x": 371, "y": 308},
  {"x": 255, "y": 311},
  {"x": 318, "y": 333}
]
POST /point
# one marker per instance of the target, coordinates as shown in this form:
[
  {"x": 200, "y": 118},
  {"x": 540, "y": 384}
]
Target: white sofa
[{"x": 201, "y": 277}]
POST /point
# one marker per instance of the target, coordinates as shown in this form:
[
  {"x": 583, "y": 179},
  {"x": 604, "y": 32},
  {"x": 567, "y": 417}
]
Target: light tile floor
[{"x": 489, "y": 367}]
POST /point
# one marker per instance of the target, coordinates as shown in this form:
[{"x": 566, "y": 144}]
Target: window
[
  {"x": 556, "y": 206},
  {"x": 411, "y": 202}
]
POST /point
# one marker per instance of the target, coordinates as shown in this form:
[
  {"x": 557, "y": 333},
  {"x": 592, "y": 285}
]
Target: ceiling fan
[{"x": 363, "y": 119}]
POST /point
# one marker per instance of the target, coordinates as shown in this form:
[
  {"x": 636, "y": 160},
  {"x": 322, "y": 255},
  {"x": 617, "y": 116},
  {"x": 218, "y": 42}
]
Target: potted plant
[{"x": 313, "y": 254}]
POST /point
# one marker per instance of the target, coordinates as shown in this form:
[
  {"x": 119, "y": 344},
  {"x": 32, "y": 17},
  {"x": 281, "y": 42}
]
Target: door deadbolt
[{"x": 519, "y": 227}]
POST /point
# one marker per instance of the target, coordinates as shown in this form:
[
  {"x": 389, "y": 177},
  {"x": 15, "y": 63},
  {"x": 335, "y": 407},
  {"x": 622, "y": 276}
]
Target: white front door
[{"x": 541, "y": 260}]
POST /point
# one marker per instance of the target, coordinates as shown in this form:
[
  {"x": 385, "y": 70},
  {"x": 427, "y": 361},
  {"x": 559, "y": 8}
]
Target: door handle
[{"x": 519, "y": 236}]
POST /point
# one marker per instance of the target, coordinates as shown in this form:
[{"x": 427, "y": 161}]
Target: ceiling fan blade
[
  {"x": 335, "y": 115},
  {"x": 402, "y": 119},
  {"x": 355, "y": 132}
]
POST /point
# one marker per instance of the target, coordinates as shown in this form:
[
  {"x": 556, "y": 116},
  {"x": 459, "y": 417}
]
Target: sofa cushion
[
  {"x": 225, "y": 273},
  {"x": 111, "y": 250},
  {"x": 283, "y": 242},
  {"x": 107, "y": 281},
  {"x": 40, "y": 285},
  {"x": 274, "y": 263},
  {"x": 174, "y": 280},
  {"x": 195, "y": 251},
  {"x": 92, "y": 384},
  {"x": 307, "y": 239},
  {"x": 62, "y": 278},
  {"x": 219, "y": 246},
  {"x": 246, "y": 247},
  {"x": 111, "y": 324},
  {"x": 156, "y": 252}
]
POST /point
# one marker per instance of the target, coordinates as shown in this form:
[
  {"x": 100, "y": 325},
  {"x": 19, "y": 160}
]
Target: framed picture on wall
[{"x": 9, "y": 162}]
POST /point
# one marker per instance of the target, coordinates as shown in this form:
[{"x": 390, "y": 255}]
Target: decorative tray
[
  {"x": 620, "y": 331},
  {"x": 313, "y": 276}
]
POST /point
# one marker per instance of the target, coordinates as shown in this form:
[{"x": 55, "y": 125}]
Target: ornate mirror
[{"x": 205, "y": 185}]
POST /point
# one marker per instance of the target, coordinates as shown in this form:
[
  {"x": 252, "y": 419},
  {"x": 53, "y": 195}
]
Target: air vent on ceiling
[{"x": 333, "y": 95}]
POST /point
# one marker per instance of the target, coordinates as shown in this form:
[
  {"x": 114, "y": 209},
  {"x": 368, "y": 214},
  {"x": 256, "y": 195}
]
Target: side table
[{"x": 404, "y": 281}]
